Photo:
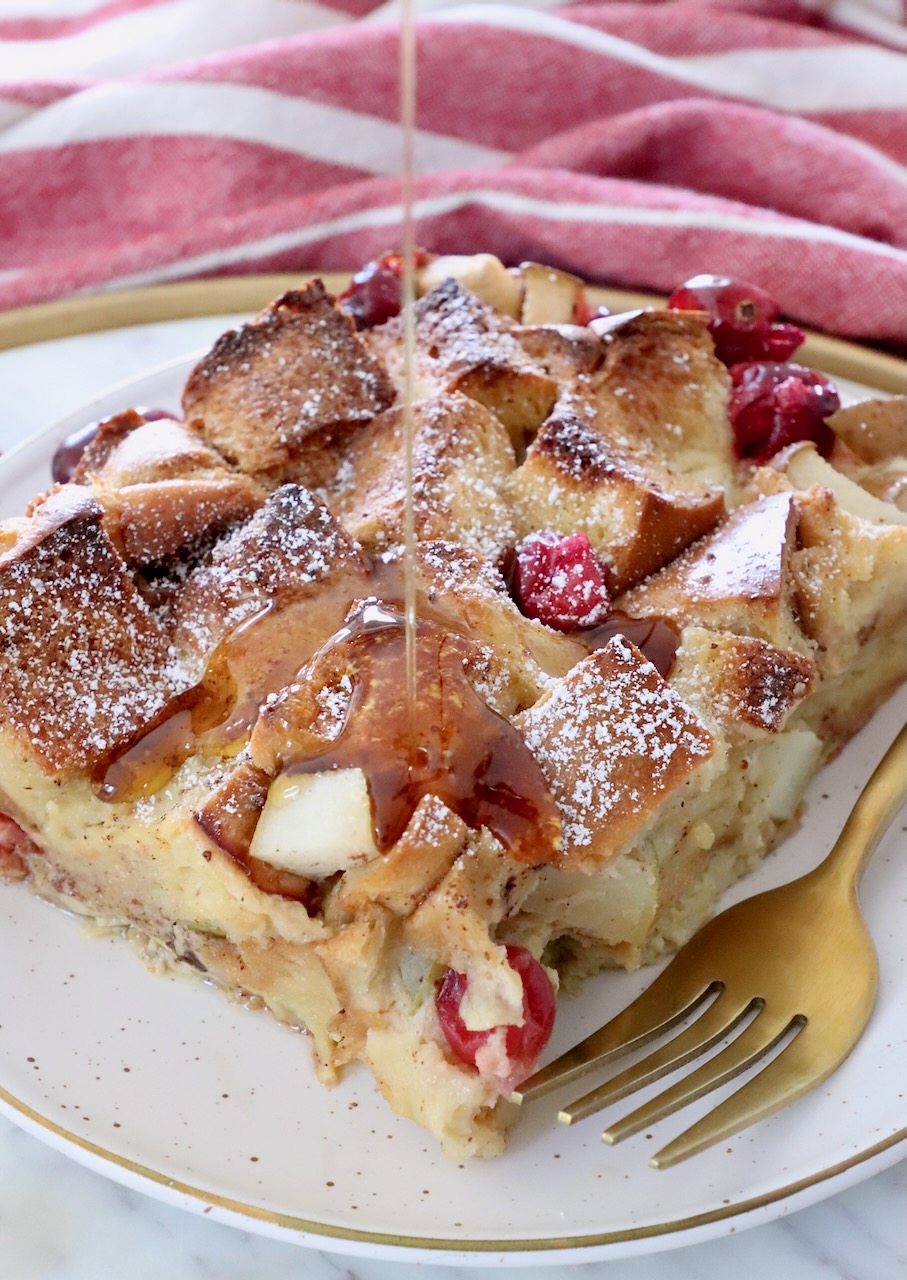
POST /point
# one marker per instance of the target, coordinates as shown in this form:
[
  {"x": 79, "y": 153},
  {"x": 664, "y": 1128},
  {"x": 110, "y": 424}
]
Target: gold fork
[{"x": 795, "y": 964}]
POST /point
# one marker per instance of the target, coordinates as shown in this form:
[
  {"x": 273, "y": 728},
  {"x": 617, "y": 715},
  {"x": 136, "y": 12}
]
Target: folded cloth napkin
[{"x": 636, "y": 144}]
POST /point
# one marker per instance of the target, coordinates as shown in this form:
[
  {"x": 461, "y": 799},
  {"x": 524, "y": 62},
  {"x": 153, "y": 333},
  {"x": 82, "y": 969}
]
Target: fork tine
[
  {"x": 661, "y": 1006},
  {"x": 718, "y": 1020},
  {"x": 796, "y": 1070},
  {"x": 762, "y": 1034}
]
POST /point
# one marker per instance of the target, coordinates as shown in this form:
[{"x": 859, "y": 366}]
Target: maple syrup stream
[{"x": 408, "y": 237}]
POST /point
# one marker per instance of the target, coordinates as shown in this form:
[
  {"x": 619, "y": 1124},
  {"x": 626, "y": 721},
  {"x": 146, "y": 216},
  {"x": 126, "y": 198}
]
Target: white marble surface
[{"x": 60, "y": 1221}]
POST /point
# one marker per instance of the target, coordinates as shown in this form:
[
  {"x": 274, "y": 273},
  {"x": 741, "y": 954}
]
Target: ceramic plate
[{"x": 165, "y": 1085}]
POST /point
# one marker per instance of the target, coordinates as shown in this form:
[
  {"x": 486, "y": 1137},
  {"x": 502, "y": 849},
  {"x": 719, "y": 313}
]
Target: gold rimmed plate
[{"x": 163, "y": 1084}]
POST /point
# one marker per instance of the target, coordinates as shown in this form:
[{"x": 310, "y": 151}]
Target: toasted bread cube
[
  {"x": 875, "y": 430},
  {"x": 289, "y": 552},
  {"x": 127, "y": 449},
  {"x": 296, "y": 369},
  {"x": 157, "y": 523},
  {"x": 84, "y": 665},
  {"x": 661, "y": 388},
  {"x": 460, "y": 460},
  {"x": 615, "y": 741},
  {"x": 110, "y": 434},
  {"x": 636, "y": 515},
  {"x": 849, "y": 576},
  {"x": 230, "y": 813},
  {"x": 738, "y": 578},
  {"x": 568, "y": 352},
  {"x": 165, "y": 492},
  {"x": 463, "y": 345},
  {"x": 743, "y": 688}
]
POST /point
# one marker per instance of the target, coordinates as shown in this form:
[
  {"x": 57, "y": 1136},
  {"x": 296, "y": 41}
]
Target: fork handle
[{"x": 871, "y": 816}]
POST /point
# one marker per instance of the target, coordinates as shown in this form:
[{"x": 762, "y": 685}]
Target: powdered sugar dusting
[
  {"x": 83, "y": 663},
  {"x": 292, "y": 543},
  {"x": 614, "y": 740}
]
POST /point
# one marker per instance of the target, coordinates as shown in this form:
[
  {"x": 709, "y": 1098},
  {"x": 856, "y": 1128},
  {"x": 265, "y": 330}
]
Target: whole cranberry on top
[
  {"x": 375, "y": 293},
  {"x": 743, "y": 318},
  {"x": 559, "y": 579},
  {"x": 773, "y": 405}
]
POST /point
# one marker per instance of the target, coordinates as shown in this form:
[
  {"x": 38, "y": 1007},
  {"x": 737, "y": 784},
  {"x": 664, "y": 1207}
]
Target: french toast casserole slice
[{"x": 206, "y": 730}]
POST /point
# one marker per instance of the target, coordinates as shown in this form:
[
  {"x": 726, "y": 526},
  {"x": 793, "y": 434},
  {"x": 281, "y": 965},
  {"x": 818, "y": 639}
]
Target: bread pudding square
[{"x": 212, "y": 738}]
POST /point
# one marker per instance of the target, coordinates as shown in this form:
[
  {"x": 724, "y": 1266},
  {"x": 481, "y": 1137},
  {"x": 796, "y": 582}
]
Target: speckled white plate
[{"x": 163, "y": 1084}]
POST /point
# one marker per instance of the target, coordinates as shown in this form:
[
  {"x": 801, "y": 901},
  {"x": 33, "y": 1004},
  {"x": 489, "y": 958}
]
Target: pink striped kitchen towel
[{"x": 144, "y": 141}]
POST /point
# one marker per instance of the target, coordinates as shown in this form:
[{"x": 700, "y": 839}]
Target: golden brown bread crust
[
  {"x": 165, "y": 493},
  {"x": 110, "y": 433},
  {"x": 744, "y": 686},
  {"x": 129, "y": 450},
  {"x": 615, "y": 742},
  {"x": 566, "y": 352},
  {"x": 298, "y": 368},
  {"x": 290, "y": 550},
  {"x": 84, "y": 665},
  {"x": 461, "y": 459},
  {"x": 736, "y": 579},
  {"x": 635, "y": 514},
  {"x": 463, "y": 345},
  {"x": 660, "y": 388}
]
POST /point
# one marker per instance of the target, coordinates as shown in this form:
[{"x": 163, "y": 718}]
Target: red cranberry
[
  {"x": 773, "y": 405},
  {"x": 375, "y": 294},
  {"x": 522, "y": 1045},
  {"x": 743, "y": 321},
  {"x": 559, "y": 579}
]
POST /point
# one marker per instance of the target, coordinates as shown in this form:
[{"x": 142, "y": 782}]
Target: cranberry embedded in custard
[
  {"x": 559, "y": 579},
  {"x": 743, "y": 318},
  {"x": 520, "y": 1046}
]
